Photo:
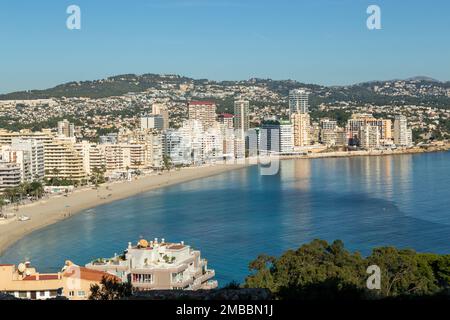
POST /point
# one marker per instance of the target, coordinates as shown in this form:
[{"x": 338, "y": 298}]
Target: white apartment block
[
  {"x": 21, "y": 158},
  {"x": 155, "y": 122},
  {"x": 402, "y": 135},
  {"x": 153, "y": 265},
  {"x": 369, "y": 137},
  {"x": 66, "y": 129},
  {"x": 9, "y": 175},
  {"x": 241, "y": 117},
  {"x": 298, "y": 101},
  {"x": 36, "y": 150}
]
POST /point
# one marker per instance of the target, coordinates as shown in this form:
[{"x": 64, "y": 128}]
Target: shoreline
[
  {"x": 48, "y": 211},
  {"x": 365, "y": 153},
  {"x": 57, "y": 208}
]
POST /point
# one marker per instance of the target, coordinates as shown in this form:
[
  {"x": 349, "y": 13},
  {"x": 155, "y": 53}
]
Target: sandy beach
[{"x": 57, "y": 208}]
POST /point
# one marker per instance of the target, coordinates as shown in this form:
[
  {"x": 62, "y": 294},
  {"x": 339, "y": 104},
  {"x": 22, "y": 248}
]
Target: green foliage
[
  {"x": 167, "y": 162},
  {"x": 110, "y": 289},
  {"x": 35, "y": 189},
  {"x": 319, "y": 270}
]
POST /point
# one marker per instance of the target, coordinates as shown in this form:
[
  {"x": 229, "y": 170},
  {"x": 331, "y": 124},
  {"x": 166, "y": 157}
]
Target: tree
[
  {"x": 403, "y": 272},
  {"x": 36, "y": 189},
  {"x": 319, "y": 270},
  {"x": 167, "y": 161},
  {"x": 110, "y": 289}
]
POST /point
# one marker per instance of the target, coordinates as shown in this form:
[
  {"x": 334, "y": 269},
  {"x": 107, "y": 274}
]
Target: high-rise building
[
  {"x": 402, "y": 135},
  {"x": 241, "y": 117},
  {"x": 226, "y": 119},
  {"x": 369, "y": 136},
  {"x": 10, "y": 176},
  {"x": 204, "y": 112},
  {"x": 161, "y": 109},
  {"x": 152, "y": 122},
  {"x": 63, "y": 161},
  {"x": 298, "y": 101},
  {"x": 36, "y": 150},
  {"x": 277, "y": 136},
  {"x": 65, "y": 128},
  {"x": 21, "y": 158},
  {"x": 301, "y": 123}
]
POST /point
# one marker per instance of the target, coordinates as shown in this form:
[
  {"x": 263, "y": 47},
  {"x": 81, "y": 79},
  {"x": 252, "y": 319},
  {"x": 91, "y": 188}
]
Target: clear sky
[{"x": 316, "y": 41}]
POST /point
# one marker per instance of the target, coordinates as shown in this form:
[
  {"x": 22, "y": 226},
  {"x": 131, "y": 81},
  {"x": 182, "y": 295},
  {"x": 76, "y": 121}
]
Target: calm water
[{"x": 394, "y": 200}]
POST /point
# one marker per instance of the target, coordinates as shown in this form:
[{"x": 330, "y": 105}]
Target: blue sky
[{"x": 316, "y": 41}]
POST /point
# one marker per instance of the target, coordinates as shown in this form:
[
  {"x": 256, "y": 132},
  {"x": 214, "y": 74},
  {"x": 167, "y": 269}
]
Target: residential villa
[
  {"x": 159, "y": 266},
  {"x": 72, "y": 282}
]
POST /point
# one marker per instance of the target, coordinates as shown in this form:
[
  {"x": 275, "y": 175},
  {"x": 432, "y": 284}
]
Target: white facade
[
  {"x": 36, "y": 150},
  {"x": 402, "y": 135},
  {"x": 298, "y": 101}
]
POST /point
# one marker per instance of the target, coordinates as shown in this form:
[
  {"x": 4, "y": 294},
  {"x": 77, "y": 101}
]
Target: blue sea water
[{"x": 401, "y": 200}]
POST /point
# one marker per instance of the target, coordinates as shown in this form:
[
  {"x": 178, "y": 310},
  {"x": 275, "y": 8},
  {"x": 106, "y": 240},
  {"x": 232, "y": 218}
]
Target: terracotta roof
[
  {"x": 42, "y": 277},
  {"x": 202, "y": 103},
  {"x": 226, "y": 115},
  {"x": 87, "y": 274},
  {"x": 6, "y": 265}
]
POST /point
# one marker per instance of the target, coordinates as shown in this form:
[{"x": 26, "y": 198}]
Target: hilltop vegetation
[{"x": 319, "y": 270}]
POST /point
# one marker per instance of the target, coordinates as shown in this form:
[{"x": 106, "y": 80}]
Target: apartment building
[
  {"x": 36, "y": 150},
  {"x": 155, "y": 122},
  {"x": 369, "y": 136},
  {"x": 72, "y": 282},
  {"x": 204, "y": 112},
  {"x": 21, "y": 158},
  {"x": 66, "y": 129},
  {"x": 402, "y": 135},
  {"x": 241, "y": 117},
  {"x": 298, "y": 101},
  {"x": 153, "y": 265},
  {"x": 10, "y": 175},
  {"x": 277, "y": 136},
  {"x": 161, "y": 110},
  {"x": 301, "y": 127},
  {"x": 63, "y": 161}
]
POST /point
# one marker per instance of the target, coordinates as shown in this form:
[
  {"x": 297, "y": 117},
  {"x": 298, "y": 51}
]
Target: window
[
  {"x": 81, "y": 293},
  {"x": 53, "y": 293},
  {"x": 142, "y": 278},
  {"x": 23, "y": 294},
  {"x": 71, "y": 293}
]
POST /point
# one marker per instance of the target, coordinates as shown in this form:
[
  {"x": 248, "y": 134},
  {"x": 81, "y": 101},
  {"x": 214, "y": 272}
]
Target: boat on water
[{"x": 23, "y": 218}]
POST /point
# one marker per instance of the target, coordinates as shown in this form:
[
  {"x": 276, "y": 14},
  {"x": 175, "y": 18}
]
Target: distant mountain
[{"x": 423, "y": 78}]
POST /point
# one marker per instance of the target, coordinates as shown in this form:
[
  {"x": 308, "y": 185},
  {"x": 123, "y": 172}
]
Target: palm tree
[{"x": 37, "y": 189}]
